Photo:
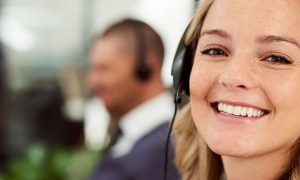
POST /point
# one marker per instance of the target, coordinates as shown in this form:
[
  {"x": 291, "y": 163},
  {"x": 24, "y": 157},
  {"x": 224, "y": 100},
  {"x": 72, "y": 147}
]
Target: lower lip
[{"x": 234, "y": 119}]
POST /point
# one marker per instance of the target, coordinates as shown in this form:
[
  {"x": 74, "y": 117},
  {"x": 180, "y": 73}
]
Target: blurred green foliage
[{"x": 40, "y": 162}]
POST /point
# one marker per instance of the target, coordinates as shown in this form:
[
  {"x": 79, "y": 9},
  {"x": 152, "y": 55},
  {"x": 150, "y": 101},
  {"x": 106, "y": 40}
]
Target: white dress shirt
[
  {"x": 96, "y": 123},
  {"x": 142, "y": 120}
]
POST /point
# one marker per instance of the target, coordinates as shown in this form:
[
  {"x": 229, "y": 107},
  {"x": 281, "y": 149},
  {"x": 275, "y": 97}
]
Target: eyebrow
[
  {"x": 272, "y": 38},
  {"x": 262, "y": 40},
  {"x": 217, "y": 32}
]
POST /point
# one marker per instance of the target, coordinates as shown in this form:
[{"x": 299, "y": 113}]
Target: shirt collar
[
  {"x": 143, "y": 119},
  {"x": 147, "y": 116}
]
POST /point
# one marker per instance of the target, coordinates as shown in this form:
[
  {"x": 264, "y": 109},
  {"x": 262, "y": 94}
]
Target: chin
[
  {"x": 230, "y": 151},
  {"x": 228, "y": 146}
]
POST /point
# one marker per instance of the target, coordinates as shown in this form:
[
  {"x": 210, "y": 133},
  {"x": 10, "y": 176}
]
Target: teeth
[
  {"x": 250, "y": 112},
  {"x": 244, "y": 111},
  {"x": 230, "y": 109},
  {"x": 239, "y": 111},
  {"x": 255, "y": 113}
]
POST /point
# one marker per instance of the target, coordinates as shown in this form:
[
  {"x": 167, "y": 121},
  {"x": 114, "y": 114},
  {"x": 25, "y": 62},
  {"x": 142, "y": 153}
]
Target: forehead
[
  {"x": 114, "y": 43},
  {"x": 112, "y": 49},
  {"x": 254, "y": 16}
]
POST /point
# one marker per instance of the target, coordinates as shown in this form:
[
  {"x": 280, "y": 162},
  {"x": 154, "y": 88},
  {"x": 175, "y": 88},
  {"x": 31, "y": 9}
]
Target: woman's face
[{"x": 245, "y": 80}]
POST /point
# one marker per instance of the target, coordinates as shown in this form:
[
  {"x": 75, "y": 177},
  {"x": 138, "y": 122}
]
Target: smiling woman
[{"x": 242, "y": 121}]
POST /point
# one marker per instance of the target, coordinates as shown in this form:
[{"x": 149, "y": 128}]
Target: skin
[
  {"x": 248, "y": 54},
  {"x": 112, "y": 75}
]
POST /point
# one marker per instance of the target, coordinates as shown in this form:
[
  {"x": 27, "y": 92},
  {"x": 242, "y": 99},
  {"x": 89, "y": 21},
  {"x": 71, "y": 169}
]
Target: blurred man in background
[{"x": 125, "y": 73}]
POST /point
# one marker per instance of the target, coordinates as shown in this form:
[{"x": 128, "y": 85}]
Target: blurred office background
[{"x": 43, "y": 60}]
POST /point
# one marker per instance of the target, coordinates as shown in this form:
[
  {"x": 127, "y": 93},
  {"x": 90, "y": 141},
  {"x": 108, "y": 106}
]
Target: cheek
[
  {"x": 280, "y": 86},
  {"x": 285, "y": 98},
  {"x": 202, "y": 78},
  {"x": 282, "y": 92},
  {"x": 122, "y": 76}
]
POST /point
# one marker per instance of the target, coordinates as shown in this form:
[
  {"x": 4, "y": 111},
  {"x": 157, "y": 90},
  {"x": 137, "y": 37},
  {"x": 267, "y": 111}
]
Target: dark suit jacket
[{"x": 144, "y": 162}]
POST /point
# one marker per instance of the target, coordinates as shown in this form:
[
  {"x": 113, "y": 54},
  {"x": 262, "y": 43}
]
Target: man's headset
[
  {"x": 143, "y": 71},
  {"x": 181, "y": 70}
]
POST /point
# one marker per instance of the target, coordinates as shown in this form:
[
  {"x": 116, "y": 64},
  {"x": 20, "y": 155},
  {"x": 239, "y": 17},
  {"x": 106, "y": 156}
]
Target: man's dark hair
[{"x": 150, "y": 39}]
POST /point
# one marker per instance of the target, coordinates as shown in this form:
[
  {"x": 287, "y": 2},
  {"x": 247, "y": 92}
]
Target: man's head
[{"x": 125, "y": 63}]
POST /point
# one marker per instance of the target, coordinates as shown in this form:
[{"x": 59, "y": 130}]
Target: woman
[{"x": 243, "y": 119}]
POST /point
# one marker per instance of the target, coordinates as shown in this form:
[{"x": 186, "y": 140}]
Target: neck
[
  {"x": 265, "y": 167},
  {"x": 145, "y": 93},
  {"x": 151, "y": 91}
]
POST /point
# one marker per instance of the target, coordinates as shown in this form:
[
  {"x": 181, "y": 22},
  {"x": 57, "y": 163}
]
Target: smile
[{"x": 239, "y": 111}]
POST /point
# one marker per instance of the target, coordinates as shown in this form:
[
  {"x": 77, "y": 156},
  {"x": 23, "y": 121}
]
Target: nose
[{"x": 238, "y": 73}]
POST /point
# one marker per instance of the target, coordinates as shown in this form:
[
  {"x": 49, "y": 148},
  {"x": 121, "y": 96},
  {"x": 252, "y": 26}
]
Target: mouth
[{"x": 238, "y": 111}]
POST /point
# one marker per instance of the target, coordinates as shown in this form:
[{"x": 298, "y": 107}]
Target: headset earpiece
[
  {"x": 181, "y": 68},
  {"x": 143, "y": 71}
]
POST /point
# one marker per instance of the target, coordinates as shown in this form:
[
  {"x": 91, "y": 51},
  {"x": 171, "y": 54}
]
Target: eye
[
  {"x": 277, "y": 59},
  {"x": 214, "y": 52}
]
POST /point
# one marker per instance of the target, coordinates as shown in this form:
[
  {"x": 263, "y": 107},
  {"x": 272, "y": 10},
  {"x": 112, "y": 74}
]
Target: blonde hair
[{"x": 194, "y": 159}]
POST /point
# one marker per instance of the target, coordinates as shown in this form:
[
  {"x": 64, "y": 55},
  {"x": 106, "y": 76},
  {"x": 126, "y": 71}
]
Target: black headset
[
  {"x": 143, "y": 71},
  {"x": 181, "y": 70}
]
